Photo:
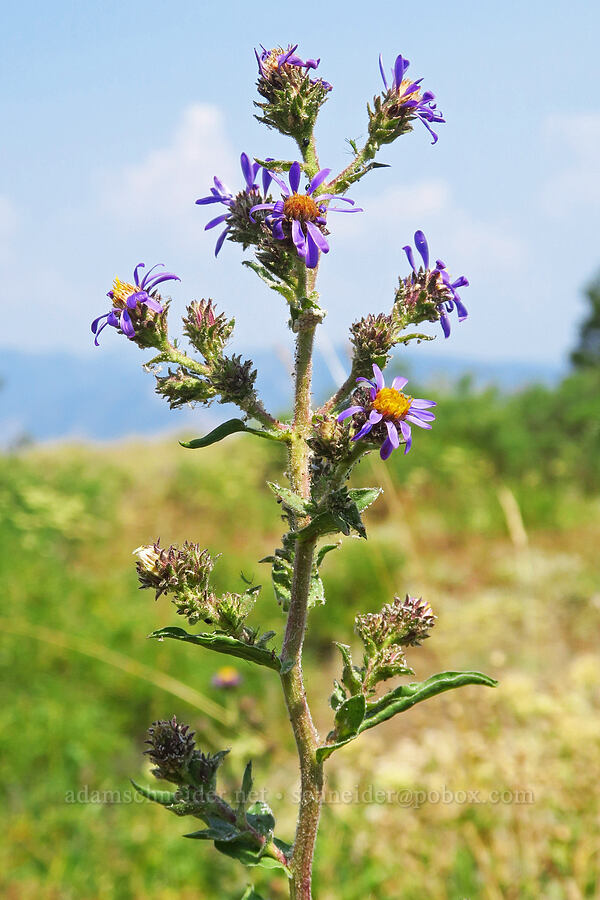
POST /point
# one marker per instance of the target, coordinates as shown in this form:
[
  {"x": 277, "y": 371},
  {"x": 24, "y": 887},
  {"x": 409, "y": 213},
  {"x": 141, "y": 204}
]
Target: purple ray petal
[
  {"x": 422, "y": 247},
  {"x": 94, "y": 325},
  {"x": 410, "y": 257},
  {"x": 126, "y": 325},
  {"x": 153, "y": 304},
  {"x": 399, "y": 382},
  {"x": 284, "y": 188},
  {"x": 221, "y": 240},
  {"x": 407, "y": 435},
  {"x": 318, "y": 180},
  {"x": 422, "y": 404},
  {"x": 135, "y": 273},
  {"x": 393, "y": 434},
  {"x": 379, "y": 380},
  {"x": 247, "y": 170},
  {"x": 351, "y": 411},
  {"x": 460, "y": 309},
  {"x": 364, "y": 430},
  {"x": 133, "y": 299},
  {"x": 295, "y": 174},
  {"x": 382, "y": 70},
  {"x": 214, "y": 222},
  {"x": 375, "y": 417},
  {"x": 369, "y": 381},
  {"x": 254, "y": 209},
  {"x": 445, "y": 323},
  {"x": 386, "y": 449},
  {"x": 266, "y": 181},
  {"x": 318, "y": 237},
  {"x": 416, "y": 421},
  {"x": 298, "y": 237},
  {"x": 312, "y": 252}
]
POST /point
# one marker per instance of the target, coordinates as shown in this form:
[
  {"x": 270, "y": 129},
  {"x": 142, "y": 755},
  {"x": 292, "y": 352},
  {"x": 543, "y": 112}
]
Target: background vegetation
[{"x": 494, "y": 517}]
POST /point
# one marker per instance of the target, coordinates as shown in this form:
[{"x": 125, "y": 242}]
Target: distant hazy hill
[{"x": 107, "y": 395}]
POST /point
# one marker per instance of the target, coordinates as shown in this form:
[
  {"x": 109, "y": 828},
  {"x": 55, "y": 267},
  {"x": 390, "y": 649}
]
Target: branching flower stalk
[{"x": 282, "y": 214}]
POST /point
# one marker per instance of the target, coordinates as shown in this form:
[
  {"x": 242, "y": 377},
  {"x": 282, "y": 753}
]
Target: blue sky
[{"x": 116, "y": 116}]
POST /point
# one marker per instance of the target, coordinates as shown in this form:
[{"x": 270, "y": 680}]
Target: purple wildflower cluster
[
  {"x": 273, "y": 61},
  {"x": 388, "y": 413},
  {"x": 300, "y": 216},
  {"x": 126, "y": 298},
  {"x": 404, "y": 97},
  {"x": 435, "y": 282},
  {"x": 221, "y": 194}
]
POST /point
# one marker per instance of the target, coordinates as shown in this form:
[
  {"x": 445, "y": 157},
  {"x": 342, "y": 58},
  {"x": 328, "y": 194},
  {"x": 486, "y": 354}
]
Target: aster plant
[{"x": 281, "y": 214}]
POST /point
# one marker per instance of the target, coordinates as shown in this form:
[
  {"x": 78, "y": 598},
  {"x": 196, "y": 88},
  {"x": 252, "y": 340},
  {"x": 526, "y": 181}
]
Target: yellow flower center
[
  {"x": 392, "y": 403},
  {"x": 408, "y": 95},
  {"x": 122, "y": 290},
  {"x": 302, "y": 207},
  {"x": 228, "y": 673},
  {"x": 270, "y": 63}
]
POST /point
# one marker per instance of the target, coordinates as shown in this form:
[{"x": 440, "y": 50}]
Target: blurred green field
[{"x": 494, "y": 518}]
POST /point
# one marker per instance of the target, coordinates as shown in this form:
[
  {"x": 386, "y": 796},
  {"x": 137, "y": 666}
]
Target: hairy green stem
[{"x": 305, "y": 733}]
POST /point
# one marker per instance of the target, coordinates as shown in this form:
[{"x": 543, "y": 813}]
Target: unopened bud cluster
[
  {"x": 293, "y": 99},
  {"x": 372, "y": 338},
  {"x": 185, "y": 574}
]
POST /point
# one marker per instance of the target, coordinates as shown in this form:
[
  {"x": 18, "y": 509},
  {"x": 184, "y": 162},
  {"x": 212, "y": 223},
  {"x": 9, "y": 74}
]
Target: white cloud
[
  {"x": 430, "y": 205},
  {"x": 166, "y": 182},
  {"x": 576, "y": 185}
]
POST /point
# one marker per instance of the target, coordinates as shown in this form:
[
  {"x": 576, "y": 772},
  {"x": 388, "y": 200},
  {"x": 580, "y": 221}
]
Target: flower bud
[
  {"x": 180, "y": 387},
  {"x": 171, "y": 749},
  {"x": 293, "y": 99},
  {"x": 372, "y": 338},
  {"x": 207, "y": 332},
  {"x": 234, "y": 379}
]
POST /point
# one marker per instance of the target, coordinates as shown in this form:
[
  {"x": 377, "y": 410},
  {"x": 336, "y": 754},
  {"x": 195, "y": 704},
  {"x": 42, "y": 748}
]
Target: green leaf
[
  {"x": 245, "y": 791},
  {"x": 224, "y": 430},
  {"x": 244, "y": 849},
  {"x": 349, "y": 717},
  {"x": 316, "y": 590},
  {"x": 289, "y": 499},
  {"x": 165, "y": 798},
  {"x": 323, "y": 551},
  {"x": 222, "y": 643},
  {"x": 408, "y": 695},
  {"x": 250, "y": 894},
  {"x": 218, "y": 831},
  {"x": 350, "y": 678},
  {"x": 364, "y": 497},
  {"x": 217, "y": 434},
  {"x": 261, "y": 818},
  {"x": 402, "y": 698}
]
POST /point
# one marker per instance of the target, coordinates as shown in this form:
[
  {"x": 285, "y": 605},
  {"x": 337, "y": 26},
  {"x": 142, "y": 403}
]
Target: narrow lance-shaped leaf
[
  {"x": 402, "y": 698},
  {"x": 222, "y": 643},
  {"x": 224, "y": 430}
]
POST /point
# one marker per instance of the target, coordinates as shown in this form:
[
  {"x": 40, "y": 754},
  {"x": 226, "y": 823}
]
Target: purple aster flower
[
  {"x": 226, "y": 677},
  {"x": 127, "y": 298},
  {"x": 301, "y": 217},
  {"x": 404, "y": 97},
  {"x": 387, "y": 412},
  {"x": 221, "y": 194},
  {"x": 435, "y": 282},
  {"x": 271, "y": 62}
]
